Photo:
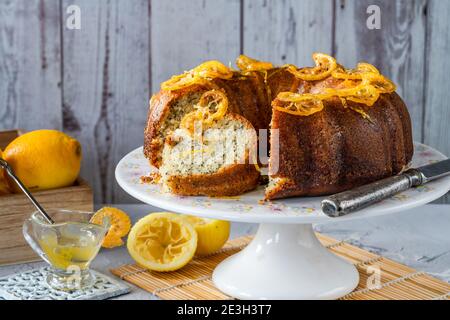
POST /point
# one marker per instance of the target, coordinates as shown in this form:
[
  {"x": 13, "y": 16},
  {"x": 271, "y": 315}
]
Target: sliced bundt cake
[{"x": 332, "y": 128}]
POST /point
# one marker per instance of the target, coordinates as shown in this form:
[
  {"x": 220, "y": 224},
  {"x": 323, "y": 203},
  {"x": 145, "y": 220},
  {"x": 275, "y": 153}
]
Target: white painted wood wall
[{"x": 95, "y": 83}]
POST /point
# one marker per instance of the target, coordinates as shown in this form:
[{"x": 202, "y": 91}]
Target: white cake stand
[{"x": 285, "y": 260}]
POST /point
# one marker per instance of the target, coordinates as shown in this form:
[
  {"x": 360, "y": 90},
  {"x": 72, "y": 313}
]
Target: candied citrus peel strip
[
  {"x": 211, "y": 107},
  {"x": 200, "y": 75},
  {"x": 325, "y": 65},
  {"x": 247, "y": 64}
]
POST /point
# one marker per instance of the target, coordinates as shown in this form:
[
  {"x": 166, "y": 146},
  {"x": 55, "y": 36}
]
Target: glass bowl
[{"x": 68, "y": 246}]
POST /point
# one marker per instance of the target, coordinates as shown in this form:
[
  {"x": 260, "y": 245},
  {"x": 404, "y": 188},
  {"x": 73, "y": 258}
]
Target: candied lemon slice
[
  {"x": 245, "y": 63},
  {"x": 112, "y": 242},
  {"x": 367, "y": 95},
  {"x": 365, "y": 67},
  {"x": 200, "y": 75},
  {"x": 120, "y": 225},
  {"x": 362, "y": 69},
  {"x": 212, "y": 234},
  {"x": 215, "y": 104},
  {"x": 189, "y": 121},
  {"x": 325, "y": 65},
  {"x": 300, "y": 104},
  {"x": 212, "y": 69},
  {"x": 341, "y": 73},
  {"x": 363, "y": 85},
  {"x": 211, "y": 107},
  {"x": 162, "y": 241},
  {"x": 181, "y": 81},
  {"x": 379, "y": 82}
]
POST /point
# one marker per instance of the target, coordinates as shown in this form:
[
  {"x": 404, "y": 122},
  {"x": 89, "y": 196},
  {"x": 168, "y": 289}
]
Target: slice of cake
[{"x": 212, "y": 156}]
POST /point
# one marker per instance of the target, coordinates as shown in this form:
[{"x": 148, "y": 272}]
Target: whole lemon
[
  {"x": 44, "y": 159},
  {"x": 212, "y": 234},
  {"x": 4, "y": 187}
]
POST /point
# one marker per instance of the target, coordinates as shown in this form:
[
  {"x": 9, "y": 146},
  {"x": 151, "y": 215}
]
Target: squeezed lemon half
[
  {"x": 162, "y": 241},
  {"x": 212, "y": 234}
]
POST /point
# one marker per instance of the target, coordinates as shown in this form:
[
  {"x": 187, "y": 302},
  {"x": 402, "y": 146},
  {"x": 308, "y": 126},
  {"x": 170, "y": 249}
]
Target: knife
[{"x": 346, "y": 202}]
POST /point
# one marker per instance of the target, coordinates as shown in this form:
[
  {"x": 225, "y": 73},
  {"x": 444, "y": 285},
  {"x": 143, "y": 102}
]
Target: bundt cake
[{"x": 331, "y": 128}]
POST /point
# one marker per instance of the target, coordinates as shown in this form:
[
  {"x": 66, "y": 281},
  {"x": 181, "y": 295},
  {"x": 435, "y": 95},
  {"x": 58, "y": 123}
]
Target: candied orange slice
[
  {"x": 201, "y": 75},
  {"x": 211, "y": 107},
  {"x": 325, "y": 65},
  {"x": 245, "y": 63},
  {"x": 300, "y": 104},
  {"x": 120, "y": 225}
]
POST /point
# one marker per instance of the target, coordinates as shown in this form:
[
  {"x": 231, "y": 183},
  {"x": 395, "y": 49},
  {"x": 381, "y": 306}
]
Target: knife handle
[{"x": 349, "y": 201}]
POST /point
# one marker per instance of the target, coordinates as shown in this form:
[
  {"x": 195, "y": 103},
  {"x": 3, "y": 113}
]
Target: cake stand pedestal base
[{"x": 285, "y": 261}]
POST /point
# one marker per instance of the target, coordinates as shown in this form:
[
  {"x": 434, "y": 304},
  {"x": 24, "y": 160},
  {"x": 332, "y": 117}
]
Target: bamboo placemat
[{"x": 397, "y": 282}]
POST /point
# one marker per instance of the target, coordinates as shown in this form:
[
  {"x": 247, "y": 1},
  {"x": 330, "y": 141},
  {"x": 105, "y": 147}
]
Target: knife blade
[{"x": 352, "y": 200}]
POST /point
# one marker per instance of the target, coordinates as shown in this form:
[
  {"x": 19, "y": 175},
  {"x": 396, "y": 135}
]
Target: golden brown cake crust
[
  {"x": 336, "y": 149},
  {"x": 158, "y": 111},
  {"x": 230, "y": 181}
]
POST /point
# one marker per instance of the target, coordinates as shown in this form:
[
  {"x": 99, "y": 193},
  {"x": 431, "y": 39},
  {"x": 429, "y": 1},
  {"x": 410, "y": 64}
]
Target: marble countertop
[{"x": 418, "y": 238}]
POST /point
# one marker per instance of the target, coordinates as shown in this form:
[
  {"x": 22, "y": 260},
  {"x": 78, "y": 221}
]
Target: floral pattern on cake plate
[{"x": 250, "y": 207}]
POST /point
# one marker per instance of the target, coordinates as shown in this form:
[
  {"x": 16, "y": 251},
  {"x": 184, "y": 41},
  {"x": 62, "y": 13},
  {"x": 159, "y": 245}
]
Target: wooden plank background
[{"x": 94, "y": 83}]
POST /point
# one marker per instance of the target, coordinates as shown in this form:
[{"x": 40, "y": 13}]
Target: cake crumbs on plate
[{"x": 152, "y": 178}]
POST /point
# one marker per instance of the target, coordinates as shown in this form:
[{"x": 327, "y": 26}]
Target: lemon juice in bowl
[
  {"x": 71, "y": 248},
  {"x": 68, "y": 246}
]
